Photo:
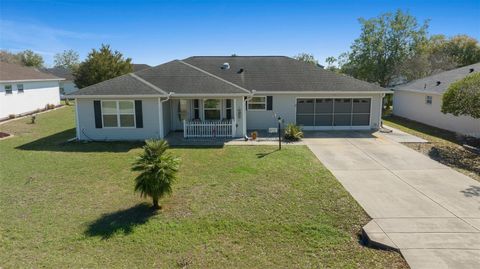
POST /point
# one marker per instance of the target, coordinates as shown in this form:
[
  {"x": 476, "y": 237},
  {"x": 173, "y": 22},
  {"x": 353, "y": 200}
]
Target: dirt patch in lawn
[{"x": 4, "y": 135}]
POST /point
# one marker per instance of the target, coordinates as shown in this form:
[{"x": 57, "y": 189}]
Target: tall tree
[
  {"x": 101, "y": 65},
  {"x": 463, "y": 97},
  {"x": 68, "y": 59},
  {"x": 9, "y": 57},
  {"x": 464, "y": 49},
  {"x": 30, "y": 58},
  {"x": 306, "y": 57},
  {"x": 384, "y": 43}
]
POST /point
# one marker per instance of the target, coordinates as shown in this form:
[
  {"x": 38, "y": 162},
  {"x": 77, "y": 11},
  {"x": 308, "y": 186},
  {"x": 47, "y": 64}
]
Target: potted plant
[{"x": 254, "y": 135}]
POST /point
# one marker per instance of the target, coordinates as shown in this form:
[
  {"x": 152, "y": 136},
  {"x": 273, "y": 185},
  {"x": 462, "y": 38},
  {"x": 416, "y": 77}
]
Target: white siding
[
  {"x": 411, "y": 105},
  {"x": 88, "y": 131},
  {"x": 36, "y": 95},
  {"x": 284, "y": 105}
]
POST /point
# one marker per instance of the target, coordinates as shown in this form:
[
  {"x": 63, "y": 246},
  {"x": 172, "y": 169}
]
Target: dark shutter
[
  {"x": 246, "y": 103},
  {"x": 97, "y": 109},
  {"x": 138, "y": 114},
  {"x": 269, "y": 102}
]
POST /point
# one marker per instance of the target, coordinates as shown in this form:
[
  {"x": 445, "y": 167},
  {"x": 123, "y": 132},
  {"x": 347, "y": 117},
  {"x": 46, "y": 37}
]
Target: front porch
[{"x": 205, "y": 118}]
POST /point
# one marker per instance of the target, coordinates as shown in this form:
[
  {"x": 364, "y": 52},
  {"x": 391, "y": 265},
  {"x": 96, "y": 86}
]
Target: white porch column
[
  {"x": 161, "y": 133},
  {"x": 234, "y": 123},
  {"x": 244, "y": 118},
  {"x": 77, "y": 120}
]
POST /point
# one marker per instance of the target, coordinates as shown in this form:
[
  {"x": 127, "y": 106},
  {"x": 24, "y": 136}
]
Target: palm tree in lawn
[{"x": 157, "y": 170}]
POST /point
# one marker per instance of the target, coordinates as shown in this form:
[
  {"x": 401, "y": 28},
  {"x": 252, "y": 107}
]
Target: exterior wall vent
[
  {"x": 438, "y": 83},
  {"x": 471, "y": 70},
  {"x": 240, "y": 71}
]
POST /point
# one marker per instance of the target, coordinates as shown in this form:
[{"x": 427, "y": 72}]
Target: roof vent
[
  {"x": 225, "y": 66},
  {"x": 471, "y": 70},
  {"x": 240, "y": 71},
  {"x": 438, "y": 82}
]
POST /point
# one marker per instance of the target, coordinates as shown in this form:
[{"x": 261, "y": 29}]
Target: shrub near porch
[{"x": 73, "y": 205}]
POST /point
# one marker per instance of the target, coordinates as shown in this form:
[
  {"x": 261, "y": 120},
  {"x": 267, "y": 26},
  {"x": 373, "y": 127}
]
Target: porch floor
[{"x": 264, "y": 138}]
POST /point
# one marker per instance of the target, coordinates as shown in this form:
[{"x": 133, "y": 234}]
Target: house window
[
  {"x": 118, "y": 113},
  {"x": 211, "y": 109},
  {"x": 182, "y": 110},
  {"x": 8, "y": 89},
  {"x": 428, "y": 99},
  {"x": 258, "y": 103},
  {"x": 196, "y": 109},
  {"x": 19, "y": 88},
  {"x": 228, "y": 109}
]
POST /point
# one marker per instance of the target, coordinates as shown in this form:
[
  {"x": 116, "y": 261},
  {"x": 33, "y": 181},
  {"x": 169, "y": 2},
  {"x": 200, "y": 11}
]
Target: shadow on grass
[
  {"x": 122, "y": 221},
  {"x": 265, "y": 154},
  {"x": 58, "y": 142},
  {"x": 455, "y": 158},
  {"x": 473, "y": 191}
]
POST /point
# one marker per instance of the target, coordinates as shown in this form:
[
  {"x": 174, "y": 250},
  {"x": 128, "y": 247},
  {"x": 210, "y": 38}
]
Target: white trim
[
  {"x": 114, "y": 96},
  {"x": 77, "y": 123},
  {"x": 147, "y": 83},
  {"x": 417, "y": 91},
  {"x": 161, "y": 131},
  {"x": 234, "y": 118},
  {"x": 244, "y": 117},
  {"x": 323, "y": 92},
  {"x": 31, "y": 80},
  {"x": 200, "y": 95},
  {"x": 212, "y": 75},
  {"x": 257, "y": 103},
  {"x": 118, "y": 114}
]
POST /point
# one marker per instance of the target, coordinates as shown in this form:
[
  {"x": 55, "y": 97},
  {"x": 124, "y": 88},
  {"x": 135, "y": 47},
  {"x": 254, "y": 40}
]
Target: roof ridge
[
  {"x": 214, "y": 76},
  {"x": 147, "y": 83}
]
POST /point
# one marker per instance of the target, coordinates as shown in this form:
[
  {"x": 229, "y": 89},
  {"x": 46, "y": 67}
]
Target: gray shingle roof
[
  {"x": 279, "y": 74},
  {"x": 429, "y": 84},
  {"x": 203, "y": 75},
  {"x": 60, "y": 72},
  {"x": 181, "y": 78},
  {"x": 138, "y": 67},
  {"x": 122, "y": 85},
  {"x": 13, "y": 72}
]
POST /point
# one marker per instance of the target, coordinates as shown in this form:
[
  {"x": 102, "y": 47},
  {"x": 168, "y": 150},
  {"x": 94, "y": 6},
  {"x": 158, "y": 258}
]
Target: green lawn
[{"x": 73, "y": 205}]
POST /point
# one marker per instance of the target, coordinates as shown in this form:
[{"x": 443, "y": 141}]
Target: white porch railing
[{"x": 208, "y": 129}]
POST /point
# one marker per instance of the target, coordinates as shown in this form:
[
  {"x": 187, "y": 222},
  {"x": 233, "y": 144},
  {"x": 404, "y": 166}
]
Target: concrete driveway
[{"x": 428, "y": 211}]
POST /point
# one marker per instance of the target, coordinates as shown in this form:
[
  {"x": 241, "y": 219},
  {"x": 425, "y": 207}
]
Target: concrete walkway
[{"x": 428, "y": 211}]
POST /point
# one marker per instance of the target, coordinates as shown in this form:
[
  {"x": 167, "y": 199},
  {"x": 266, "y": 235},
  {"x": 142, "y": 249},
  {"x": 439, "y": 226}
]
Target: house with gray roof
[
  {"x": 225, "y": 96},
  {"x": 421, "y": 100},
  {"x": 25, "y": 89},
  {"x": 67, "y": 86}
]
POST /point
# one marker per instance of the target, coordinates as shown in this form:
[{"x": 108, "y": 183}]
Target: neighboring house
[
  {"x": 26, "y": 89},
  {"x": 225, "y": 97},
  {"x": 421, "y": 100},
  {"x": 67, "y": 86},
  {"x": 138, "y": 67}
]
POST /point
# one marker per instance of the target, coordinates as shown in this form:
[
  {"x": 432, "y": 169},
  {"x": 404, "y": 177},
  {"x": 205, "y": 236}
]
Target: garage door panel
[
  {"x": 323, "y": 120},
  {"x": 324, "y": 106},
  {"x": 305, "y": 120},
  {"x": 305, "y": 106},
  {"x": 342, "y": 120},
  {"x": 361, "y": 105},
  {"x": 343, "y": 105},
  {"x": 360, "y": 119}
]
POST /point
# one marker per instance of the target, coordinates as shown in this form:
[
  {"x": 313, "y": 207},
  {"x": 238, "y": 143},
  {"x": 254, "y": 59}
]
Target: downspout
[
  {"x": 245, "y": 113},
  {"x": 161, "y": 132}
]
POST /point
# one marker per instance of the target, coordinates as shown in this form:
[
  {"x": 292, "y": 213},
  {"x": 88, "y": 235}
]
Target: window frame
[
  {"x": 20, "y": 90},
  {"x": 219, "y": 108},
  {"x": 257, "y": 103},
  {"x": 118, "y": 113},
  {"x": 10, "y": 91},
  {"x": 428, "y": 99}
]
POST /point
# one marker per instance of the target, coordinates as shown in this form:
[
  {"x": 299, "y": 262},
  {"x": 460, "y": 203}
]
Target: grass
[
  {"x": 444, "y": 146},
  {"x": 68, "y": 205}
]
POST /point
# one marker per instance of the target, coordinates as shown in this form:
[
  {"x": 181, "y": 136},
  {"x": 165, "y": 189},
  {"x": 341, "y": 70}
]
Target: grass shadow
[
  {"x": 122, "y": 221},
  {"x": 265, "y": 154},
  {"x": 58, "y": 142},
  {"x": 473, "y": 191}
]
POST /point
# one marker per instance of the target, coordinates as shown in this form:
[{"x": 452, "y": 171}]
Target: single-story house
[
  {"x": 225, "y": 96},
  {"x": 26, "y": 89},
  {"x": 421, "y": 100},
  {"x": 67, "y": 86}
]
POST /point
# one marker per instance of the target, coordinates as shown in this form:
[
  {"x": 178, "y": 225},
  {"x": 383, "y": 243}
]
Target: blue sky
[{"x": 154, "y": 32}]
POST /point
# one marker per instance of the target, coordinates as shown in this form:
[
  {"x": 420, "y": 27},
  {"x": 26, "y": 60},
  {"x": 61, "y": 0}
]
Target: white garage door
[{"x": 333, "y": 113}]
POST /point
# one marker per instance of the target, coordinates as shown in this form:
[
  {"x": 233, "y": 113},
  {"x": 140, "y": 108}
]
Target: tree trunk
[{"x": 156, "y": 205}]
